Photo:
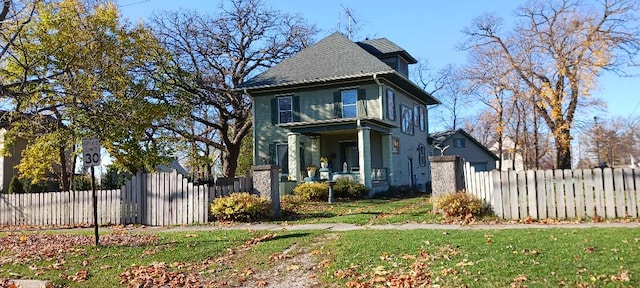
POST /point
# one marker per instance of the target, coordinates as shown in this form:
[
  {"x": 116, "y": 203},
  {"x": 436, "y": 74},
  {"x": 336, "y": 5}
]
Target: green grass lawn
[
  {"x": 494, "y": 258},
  {"x": 397, "y": 210},
  {"x": 593, "y": 257}
]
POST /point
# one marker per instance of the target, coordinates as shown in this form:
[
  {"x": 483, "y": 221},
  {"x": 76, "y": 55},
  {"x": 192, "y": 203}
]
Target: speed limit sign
[{"x": 91, "y": 152}]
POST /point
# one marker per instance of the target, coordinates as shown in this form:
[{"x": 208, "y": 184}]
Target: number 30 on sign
[{"x": 91, "y": 152}]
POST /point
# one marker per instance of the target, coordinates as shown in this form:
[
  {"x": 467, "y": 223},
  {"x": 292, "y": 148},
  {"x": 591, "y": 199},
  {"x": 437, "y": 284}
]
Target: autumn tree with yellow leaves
[{"x": 91, "y": 64}]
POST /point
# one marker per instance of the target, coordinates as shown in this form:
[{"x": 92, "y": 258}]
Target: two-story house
[{"x": 351, "y": 102}]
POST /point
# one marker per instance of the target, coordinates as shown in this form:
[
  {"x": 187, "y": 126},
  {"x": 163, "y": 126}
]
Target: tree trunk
[
  {"x": 64, "y": 176},
  {"x": 563, "y": 149},
  {"x": 230, "y": 159}
]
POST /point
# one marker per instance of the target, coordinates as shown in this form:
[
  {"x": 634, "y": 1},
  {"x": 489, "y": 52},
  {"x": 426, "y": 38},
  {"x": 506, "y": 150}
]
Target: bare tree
[
  {"x": 451, "y": 89},
  {"x": 612, "y": 142},
  {"x": 210, "y": 57},
  {"x": 556, "y": 50}
]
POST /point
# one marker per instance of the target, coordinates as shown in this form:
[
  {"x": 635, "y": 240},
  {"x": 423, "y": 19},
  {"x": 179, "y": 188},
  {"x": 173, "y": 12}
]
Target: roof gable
[
  {"x": 443, "y": 136},
  {"x": 334, "y": 57}
]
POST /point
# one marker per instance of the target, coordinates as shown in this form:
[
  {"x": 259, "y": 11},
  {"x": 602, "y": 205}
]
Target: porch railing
[{"x": 379, "y": 174}]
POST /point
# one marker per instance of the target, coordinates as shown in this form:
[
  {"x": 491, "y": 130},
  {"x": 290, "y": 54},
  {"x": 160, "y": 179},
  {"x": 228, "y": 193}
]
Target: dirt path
[{"x": 296, "y": 269}]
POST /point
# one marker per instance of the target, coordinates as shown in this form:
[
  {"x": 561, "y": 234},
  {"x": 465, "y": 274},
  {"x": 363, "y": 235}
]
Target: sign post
[{"x": 91, "y": 158}]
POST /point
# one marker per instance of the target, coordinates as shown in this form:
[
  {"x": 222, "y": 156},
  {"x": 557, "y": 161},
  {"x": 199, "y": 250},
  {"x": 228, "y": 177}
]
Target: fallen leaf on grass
[
  {"x": 380, "y": 270},
  {"x": 448, "y": 271},
  {"x": 518, "y": 281},
  {"x": 293, "y": 267},
  {"x": 464, "y": 262},
  {"x": 80, "y": 276},
  {"x": 278, "y": 257},
  {"x": 623, "y": 276}
]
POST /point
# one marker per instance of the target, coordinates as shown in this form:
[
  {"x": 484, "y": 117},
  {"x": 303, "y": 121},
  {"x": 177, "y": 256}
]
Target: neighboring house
[
  {"x": 9, "y": 160},
  {"x": 13, "y": 157},
  {"x": 458, "y": 142},
  {"x": 351, "y": 102},
  {"x": 512, "y": 158}
]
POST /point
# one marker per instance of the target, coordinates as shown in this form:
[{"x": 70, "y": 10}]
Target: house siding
[
  {"x": 314, "y": 105},
  {"x": 8, "y": 162},
  {"x": 318, "y": 104},
  {"x": 408, "y": 147}
]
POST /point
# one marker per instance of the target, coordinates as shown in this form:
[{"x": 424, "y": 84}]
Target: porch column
[
  {"x": 387, "y": 156},
  {"x": 364, "y": 155},
  {"x": 293, "y": 143},
  {"x": 315, "y": 151}
]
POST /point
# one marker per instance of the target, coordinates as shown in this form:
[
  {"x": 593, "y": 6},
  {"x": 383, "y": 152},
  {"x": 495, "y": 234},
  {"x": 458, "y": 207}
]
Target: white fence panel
[{"x": 558, "y": 194}]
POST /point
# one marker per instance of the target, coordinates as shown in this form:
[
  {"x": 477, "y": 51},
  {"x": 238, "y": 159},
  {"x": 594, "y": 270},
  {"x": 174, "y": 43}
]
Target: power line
[{"x": 134, "y": 3}]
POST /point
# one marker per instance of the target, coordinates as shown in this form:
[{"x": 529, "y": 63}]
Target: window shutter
[
  {"x": 302, "y": 161},
  {"x": 274, "y": 111},
  {"x": 337, "y": 104},
  {"x": 295, "y": 103},
  {"x": 362, "y": 109},
  {"x": 272, "y": 154}
]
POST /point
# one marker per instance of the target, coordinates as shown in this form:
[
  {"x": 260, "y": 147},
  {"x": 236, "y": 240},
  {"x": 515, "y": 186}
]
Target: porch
[{"x": 357, "y": 149}]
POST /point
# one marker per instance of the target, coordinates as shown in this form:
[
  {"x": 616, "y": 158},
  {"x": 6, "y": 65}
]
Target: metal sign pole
[
  {"x": 91, "y": 156},
  {"x": 95, "y": 205}
]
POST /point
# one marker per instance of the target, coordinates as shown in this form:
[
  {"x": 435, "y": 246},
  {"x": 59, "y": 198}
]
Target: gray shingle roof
[
  {"x": 332, "y": 58},
  {"x": 383, "y": 47},
  {"x": 441, "y": 136}
]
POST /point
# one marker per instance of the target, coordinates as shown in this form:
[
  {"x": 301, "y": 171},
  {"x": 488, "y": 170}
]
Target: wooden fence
[
  {"x": 155, "y": 199},
  {"x": 558, "y": 194}
]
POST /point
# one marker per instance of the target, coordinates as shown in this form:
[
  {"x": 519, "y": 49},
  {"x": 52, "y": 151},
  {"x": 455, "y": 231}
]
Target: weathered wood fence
[
  {"x": 558, "y": 194},
  {"x": 155, "y": 199}
]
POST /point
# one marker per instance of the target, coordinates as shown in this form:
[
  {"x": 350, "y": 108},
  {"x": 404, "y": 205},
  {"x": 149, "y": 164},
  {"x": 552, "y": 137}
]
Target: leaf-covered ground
[{"x": 592, "y": 257}]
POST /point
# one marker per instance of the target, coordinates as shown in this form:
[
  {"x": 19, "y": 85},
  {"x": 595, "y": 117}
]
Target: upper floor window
[
  {"x": 416, "y": 115},
  {"x": 391, "y": 105},
  {"x": 459, "y": 142},
  {"x": 407, "y": 119},
  {"x": 285, "y": 111},
  {"x": 422, "y": 119},
  {"x": 349, "y": 101}
]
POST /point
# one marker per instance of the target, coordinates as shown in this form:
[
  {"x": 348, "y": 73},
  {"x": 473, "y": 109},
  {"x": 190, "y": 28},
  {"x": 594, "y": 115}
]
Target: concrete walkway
[{"x": 410, "y": 226}]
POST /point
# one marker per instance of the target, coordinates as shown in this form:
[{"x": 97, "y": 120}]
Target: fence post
[
  {"x": 447, "y": 174},
  {"x": 266, "y": 184}
]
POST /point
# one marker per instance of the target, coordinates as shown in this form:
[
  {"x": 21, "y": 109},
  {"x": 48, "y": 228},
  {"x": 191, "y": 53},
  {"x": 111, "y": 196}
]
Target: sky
[{"x": 428, "y": 30}]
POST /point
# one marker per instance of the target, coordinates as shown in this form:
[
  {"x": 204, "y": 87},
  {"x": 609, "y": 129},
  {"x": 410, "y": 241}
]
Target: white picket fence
[
  {"x": 558, "y": 194},
  {"x": 154, "y": 199}
]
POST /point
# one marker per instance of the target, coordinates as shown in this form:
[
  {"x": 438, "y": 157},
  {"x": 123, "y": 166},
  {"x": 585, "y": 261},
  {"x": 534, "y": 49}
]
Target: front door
[{"x": 349, "y": 155}]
